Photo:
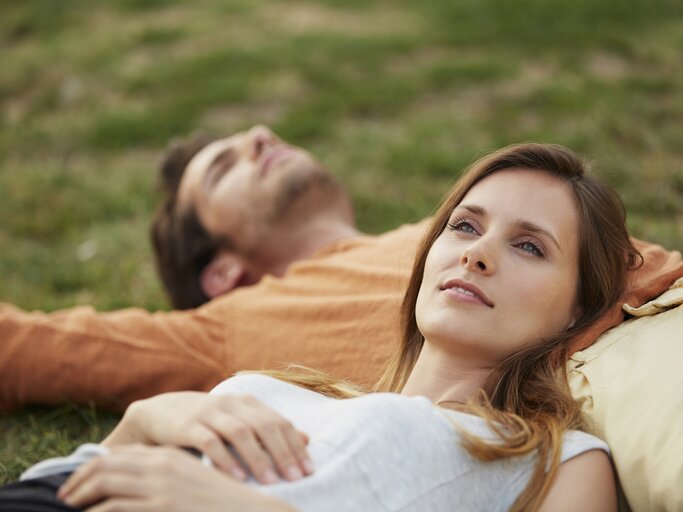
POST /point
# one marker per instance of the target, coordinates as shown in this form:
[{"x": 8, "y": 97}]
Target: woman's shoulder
[
  {"x": 244, "y": 382},
  {"x": 258, "y": 385},
  {"x": 576, "y": 442},
  {"x": 585, "y": 482}
]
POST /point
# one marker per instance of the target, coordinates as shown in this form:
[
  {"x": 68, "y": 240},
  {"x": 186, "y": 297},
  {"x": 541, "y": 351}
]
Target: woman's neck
[{"x": 442, "y": 377}]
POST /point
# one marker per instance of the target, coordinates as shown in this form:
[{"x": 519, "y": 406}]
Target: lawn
[{"x": 396, "y": 97}]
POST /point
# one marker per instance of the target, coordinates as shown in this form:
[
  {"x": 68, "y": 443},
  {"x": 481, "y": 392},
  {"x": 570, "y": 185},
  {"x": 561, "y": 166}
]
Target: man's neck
[{"x": 304, "y": 243}]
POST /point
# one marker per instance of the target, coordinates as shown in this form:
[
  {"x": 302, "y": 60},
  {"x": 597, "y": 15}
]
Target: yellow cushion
[{"x": 630, "y": 385}]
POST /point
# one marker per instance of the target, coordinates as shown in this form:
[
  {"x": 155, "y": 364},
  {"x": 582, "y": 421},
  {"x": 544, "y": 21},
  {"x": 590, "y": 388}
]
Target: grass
[{"x": 396, "y": 97}]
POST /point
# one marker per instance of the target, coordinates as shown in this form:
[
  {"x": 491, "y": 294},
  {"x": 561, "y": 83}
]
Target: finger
[
  {"x": 122, "y": 462},
  {"x": 298, "y": 441},
  {"x": 281, "y": 440},
  {"x": 211, "y": 444},
  {"x": 82, "y": 473},
  {"x": 243, "y": 439},
  {"x": 274, "y": 439},
  {"x": 304, "y": 437},
  {"x": 72, "y": 482},
  {"x": 102, "y": 485},
  {"x": 120, "y": 504}
]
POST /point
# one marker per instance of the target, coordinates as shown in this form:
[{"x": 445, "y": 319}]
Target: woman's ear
[
  {"x": 223, "y": 274},
  {"x": 577, "y": 314}
]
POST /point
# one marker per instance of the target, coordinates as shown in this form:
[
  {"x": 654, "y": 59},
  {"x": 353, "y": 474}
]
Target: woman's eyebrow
[
  {"x": 472, "y": 208},
  {"x": 525, "y": 225}
]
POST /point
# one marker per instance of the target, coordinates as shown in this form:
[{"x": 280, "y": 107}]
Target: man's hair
[{"x": 182, "y": 247}]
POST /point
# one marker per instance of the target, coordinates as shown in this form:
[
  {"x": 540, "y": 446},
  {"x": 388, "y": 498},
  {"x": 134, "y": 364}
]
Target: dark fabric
[{"x": 37, "y": 495}]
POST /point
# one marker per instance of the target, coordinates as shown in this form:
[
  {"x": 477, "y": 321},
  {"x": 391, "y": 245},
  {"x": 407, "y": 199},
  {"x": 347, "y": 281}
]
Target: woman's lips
[{"x": 466, "y": 292}]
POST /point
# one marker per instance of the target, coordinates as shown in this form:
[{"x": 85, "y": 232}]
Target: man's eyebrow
[
  {"x": 226, "y": 154},
  {"x": 223, "y": 160},
  {"x": 525, "y": 225}
]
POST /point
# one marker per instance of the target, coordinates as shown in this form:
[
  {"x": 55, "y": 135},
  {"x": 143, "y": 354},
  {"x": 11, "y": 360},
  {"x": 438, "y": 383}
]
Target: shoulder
[
  {"x": 252, "y": 384},
  {"x": 584, "y": 482}
]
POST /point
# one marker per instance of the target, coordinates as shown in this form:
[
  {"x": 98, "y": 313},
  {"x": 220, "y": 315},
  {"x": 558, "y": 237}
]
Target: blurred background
[{"x": 396, "y": 97}]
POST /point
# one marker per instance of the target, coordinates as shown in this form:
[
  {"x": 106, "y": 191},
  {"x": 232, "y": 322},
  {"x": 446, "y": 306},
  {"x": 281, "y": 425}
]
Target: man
[
  {"x": 239, "y": 208},
  {"x": 244, "y": 210}
]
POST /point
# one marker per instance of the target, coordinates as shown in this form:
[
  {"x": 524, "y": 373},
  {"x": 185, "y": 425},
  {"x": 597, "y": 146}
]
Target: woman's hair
[{"x": 530, "y": 407}]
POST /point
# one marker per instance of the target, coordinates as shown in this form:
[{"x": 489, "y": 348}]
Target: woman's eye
[
  {"x": 462, "y": 225},
  {"x": 531, "y": 248}
]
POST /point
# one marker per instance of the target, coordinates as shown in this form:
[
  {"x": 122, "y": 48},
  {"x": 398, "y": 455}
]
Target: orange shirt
[{"x": 337, "y": 311}]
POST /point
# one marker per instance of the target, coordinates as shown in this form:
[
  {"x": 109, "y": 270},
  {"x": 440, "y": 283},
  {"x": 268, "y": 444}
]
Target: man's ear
[{"x": 222, "y": 274}]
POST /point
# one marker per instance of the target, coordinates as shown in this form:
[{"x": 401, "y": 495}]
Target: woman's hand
[
  {"x": 145, "y": 478},
  {"x": 266, "y": 441}
]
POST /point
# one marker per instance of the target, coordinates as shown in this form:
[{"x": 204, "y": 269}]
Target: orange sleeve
[
  {"x": 337, "y": 311},
  {"x": 109, "y": 359},
  {"x": 659, "y": 270}
]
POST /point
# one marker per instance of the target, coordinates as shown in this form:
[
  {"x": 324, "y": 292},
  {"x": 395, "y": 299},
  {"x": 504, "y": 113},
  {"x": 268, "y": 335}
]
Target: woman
[{"x": 473, "y": 411}]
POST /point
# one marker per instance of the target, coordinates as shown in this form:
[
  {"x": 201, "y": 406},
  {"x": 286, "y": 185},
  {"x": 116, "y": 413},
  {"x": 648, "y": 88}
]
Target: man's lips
[
  {"x": 467, "y": 290},
  {"x": 271, "y": 155}
]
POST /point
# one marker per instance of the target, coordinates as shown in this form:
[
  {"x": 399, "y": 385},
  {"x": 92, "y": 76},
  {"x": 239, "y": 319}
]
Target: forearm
[
  {"x": 128, "y": 431},
  {"x": 110, "y": 359}
]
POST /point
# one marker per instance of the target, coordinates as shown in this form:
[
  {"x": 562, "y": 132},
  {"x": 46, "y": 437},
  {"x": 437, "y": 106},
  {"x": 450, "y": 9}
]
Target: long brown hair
[
  {"x": 531, "y": 403},
  {"x": 530, "y": 407}
]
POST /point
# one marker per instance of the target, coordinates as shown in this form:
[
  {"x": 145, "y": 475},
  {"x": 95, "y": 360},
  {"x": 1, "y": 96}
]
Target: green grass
[
  {"x": 396, "y": 97},
  {"x": 40, "y": 433}
]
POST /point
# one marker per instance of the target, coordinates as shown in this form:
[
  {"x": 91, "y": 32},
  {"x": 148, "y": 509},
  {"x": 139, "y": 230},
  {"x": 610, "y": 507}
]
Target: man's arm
[
  {"x": 337, "y": 312},
  {"x": 109, "y": 359}
]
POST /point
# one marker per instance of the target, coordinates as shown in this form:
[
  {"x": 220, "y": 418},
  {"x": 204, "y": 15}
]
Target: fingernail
[
  {"x": 239, "y": 474},
  {"x": 308, "y": 466},
  {"x": 293, "y": 473},
  {"x": 270, "y": 477},
  {"x": 69, "y": 500},
  {"x": 63, "y": 492}
]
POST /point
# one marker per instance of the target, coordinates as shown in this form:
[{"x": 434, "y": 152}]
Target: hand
[
  {"x": 265, "y": 441},
  {"x": 145, "y": 478}
]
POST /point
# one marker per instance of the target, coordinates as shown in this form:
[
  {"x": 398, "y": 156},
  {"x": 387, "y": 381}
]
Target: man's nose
[
  {"x": 479, "y": 258},
  {"x": 259, "y": 138}
]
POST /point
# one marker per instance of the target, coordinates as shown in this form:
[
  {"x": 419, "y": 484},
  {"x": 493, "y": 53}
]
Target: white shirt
[
  {"x": 378, "y": 452},
  {"x": 389, "y": 452}
]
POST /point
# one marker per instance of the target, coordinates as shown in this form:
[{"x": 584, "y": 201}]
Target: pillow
[{"x": 630, "y": 386}]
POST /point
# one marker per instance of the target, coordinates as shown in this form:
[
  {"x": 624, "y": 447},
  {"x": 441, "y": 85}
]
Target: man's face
[{"x": 252, "y": 187}]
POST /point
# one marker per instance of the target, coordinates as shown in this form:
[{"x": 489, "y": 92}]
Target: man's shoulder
[{"x": 404, "y": 236}]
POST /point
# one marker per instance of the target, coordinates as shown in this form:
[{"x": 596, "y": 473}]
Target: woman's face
[{"x": 504, "y": 272}]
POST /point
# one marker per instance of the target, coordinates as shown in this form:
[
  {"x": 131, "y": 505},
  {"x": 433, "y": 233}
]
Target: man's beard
[{"x": 297, "y": 188}]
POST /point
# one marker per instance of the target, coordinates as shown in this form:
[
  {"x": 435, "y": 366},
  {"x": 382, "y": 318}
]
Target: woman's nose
[{"x": 479, "y": 259}]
